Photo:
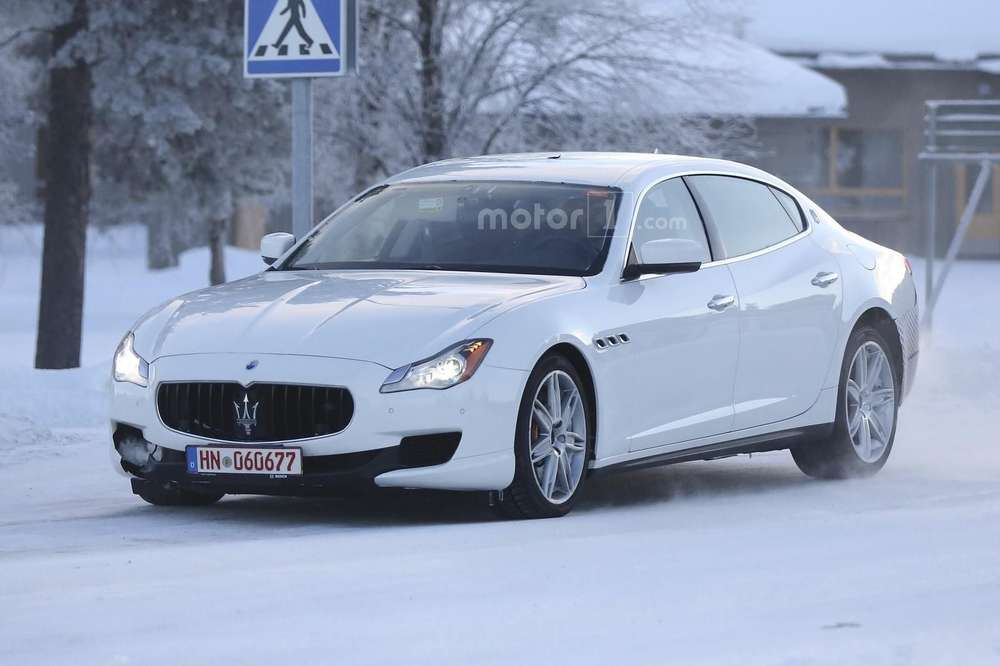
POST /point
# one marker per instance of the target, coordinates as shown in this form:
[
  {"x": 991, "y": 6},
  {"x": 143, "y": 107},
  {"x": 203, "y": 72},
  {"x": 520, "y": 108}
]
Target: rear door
[{"x": 790, "y": 296}]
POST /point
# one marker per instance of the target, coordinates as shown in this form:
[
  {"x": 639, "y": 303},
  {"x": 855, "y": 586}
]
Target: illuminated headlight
[
  {"x": 452, "y": 366},
  {"x": 129, "y": 366}
]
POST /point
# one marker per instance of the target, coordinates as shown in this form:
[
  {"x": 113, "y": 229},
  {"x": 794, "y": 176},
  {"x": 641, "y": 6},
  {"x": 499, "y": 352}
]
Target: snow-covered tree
[
  {"x": 145, "y": 100},
  {"x": 65, "y": 167},
  {"x": 441, "y": 78},
  {"x": 19, "y": 72},
  {"x": 182, "y": 134}
]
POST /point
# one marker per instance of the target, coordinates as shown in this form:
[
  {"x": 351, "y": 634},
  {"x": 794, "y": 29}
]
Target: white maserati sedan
[{"x": 516, "y": 325}]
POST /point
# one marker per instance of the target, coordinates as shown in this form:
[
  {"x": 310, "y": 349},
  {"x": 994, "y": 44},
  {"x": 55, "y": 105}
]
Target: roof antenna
[{"x": 656, "y": 151}]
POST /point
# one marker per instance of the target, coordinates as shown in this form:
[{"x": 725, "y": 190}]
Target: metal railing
[{"x": 958, "y": 131}]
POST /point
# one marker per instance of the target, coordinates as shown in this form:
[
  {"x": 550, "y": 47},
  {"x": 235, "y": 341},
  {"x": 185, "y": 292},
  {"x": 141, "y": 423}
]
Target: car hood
[{"x": 387, "y": 317}]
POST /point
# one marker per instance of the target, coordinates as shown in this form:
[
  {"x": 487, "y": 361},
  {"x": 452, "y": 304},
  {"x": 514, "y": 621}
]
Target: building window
[
  {"x": 842, "y": 161},
  {"x": 863, "y": 161}
]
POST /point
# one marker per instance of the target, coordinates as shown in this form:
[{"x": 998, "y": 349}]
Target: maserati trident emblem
[
  {"x": 246, "y": 415},
  {"x": 253, "y": 364}
]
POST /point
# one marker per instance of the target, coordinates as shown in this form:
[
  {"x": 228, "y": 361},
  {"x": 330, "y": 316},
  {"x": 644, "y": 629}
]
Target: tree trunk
[
  {"x": 432, "y": 91},
  {"x": 160, "y": 245},
  {"x": 217, "y": 241},
  {"x": 67, "y": 204}
]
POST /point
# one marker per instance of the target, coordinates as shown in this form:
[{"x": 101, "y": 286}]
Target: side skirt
[{"x": 772, "y": 441}]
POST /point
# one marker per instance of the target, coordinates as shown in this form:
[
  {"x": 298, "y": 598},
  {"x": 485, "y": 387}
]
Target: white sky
[{"x": 948, "y": 28}]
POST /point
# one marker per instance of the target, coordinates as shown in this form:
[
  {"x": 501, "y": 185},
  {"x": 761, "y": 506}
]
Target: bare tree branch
[{"x": 23, "y": 32}]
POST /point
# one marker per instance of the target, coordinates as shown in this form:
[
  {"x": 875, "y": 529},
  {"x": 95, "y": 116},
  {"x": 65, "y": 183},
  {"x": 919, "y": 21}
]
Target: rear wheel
[
  {"x": 867, "y": 410},
  {"x": 552, "y": 445}
]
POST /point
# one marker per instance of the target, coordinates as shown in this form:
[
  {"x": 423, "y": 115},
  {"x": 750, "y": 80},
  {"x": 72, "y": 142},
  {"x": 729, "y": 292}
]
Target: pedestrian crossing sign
[{"x": 299, "y": 38}]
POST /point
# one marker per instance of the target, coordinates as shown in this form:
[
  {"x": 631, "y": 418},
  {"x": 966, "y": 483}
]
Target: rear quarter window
[{"x": 792, "y": 208}]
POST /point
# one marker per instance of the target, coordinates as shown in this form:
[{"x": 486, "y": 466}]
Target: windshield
[{"x": 497, "y": 227}]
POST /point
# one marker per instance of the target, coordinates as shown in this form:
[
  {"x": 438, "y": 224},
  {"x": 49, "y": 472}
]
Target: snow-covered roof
[
  {"x": 838, "y": 60},
  {"x": 718, "y": 76},
  {"x": 743, "y": 78},
  {"x": 753, "y": 81},
  {"x": 707, "y": 70},
  {"x": 956, "y": 30}
]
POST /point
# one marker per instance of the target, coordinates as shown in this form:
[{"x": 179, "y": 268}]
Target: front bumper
[{"x": 483, "y": 410}]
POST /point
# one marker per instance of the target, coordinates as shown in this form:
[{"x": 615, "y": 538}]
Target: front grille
[{"x": 227, "y": 411}]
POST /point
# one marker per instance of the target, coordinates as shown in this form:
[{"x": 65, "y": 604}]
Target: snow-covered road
[{"x": 743, "y": 561}]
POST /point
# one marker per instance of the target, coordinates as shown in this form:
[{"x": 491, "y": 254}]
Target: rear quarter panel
[{"x": 873, "y": 276}]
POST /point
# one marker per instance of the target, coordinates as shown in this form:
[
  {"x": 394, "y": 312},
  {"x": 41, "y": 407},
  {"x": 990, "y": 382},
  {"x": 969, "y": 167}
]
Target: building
[{"x": 891, "y": 57}]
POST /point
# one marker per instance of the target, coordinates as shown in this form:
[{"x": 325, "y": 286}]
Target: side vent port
[
  {"x": 603, "y": 344},
  {"x": 427, "y": 450}
]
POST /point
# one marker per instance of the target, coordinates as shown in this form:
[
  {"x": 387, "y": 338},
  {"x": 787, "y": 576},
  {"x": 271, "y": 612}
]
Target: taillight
[{"x": 909, "y": 267}]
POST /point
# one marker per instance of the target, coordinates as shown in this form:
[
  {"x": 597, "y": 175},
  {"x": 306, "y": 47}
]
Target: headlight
[
  {"x": 129, "y": 366},
  {"x": 452, "y": 366}
]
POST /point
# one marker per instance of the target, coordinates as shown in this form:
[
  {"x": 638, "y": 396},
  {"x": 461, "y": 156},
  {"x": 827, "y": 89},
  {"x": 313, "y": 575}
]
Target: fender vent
[{"x": 613, "y": 340}]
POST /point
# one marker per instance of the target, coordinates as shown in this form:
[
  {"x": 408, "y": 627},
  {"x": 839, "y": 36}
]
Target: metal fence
[{"x": 958, "y": 131}]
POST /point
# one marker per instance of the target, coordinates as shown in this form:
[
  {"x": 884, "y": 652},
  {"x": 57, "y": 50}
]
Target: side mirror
[
  {"x": 666, "y": 255},
  {"x": 272, "y": 246}
]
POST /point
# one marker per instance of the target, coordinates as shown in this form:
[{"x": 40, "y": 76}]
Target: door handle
[
  {"x": 824, "y": 280},
  {"x": 720, "y": 303}
]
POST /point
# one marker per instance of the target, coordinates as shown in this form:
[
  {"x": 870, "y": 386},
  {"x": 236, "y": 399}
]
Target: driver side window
[{"x": 669, "y": 211}]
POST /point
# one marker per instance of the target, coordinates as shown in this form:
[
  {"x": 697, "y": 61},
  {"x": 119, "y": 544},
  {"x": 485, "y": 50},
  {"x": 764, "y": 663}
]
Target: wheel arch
[
  {"x": 882, "y": 321},
  {"x": 580, "y": 363}
]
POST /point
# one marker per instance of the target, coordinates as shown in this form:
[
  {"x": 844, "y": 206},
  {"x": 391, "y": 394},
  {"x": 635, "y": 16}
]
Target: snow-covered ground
[{"x": 743, "y": 561}]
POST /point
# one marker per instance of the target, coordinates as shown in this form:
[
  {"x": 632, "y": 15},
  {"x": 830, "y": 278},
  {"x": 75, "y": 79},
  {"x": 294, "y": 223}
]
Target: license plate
[{"x": 238, "y": 460}]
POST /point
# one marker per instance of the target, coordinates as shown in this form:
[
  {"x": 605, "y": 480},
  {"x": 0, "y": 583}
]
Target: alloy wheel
[
  {"x": 871, "y": 402},
  {"x": 558, "y": 437}
]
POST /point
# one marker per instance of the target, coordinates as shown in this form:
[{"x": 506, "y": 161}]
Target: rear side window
[
  {"x": 788, "y": 203},
  {"x": 668, "y": 211},
  {"x": 747, "y": 215}
]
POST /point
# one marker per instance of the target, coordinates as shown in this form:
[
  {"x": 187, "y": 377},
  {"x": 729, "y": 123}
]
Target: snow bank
[{"x": 42, "y": 411}]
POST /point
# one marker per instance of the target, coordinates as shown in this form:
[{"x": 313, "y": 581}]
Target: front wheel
[
  {"x": 867, "y": 410},
  {"x": 553, "y": 443}
]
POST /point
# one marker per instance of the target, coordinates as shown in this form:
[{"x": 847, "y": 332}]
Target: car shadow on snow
[
  {"x": 722, "y": 481},
  {"x": 718, "y": 480}
]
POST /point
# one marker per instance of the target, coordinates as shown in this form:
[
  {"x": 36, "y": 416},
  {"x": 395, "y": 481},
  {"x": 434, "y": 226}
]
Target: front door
[
  {"x": 672, "y": 381},
  {"x": 678, "y": 367}
]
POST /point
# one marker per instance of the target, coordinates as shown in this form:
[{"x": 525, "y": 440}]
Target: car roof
[{"x": 627, "y": 171}]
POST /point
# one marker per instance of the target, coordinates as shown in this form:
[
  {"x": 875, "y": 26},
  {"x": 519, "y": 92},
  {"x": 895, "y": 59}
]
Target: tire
[
  {"x": 159, "y": 496},
  {"x": 861, "y": 408},
  {"x": 563, "y": 468}
]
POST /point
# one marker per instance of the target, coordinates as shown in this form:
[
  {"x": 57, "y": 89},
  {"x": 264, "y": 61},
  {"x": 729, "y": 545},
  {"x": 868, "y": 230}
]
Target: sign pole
[
  {"x": 302, "y": 157},
  {"x": 300, "y": 40}
]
